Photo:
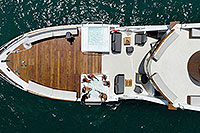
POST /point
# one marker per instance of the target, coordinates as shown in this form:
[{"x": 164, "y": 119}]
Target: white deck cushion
[
  {"x": 40, "y": 36},
  {"x": 163, "y": 87},
  {"x": 194, "y": 100},
  {"x": 52, "y": 93},
  {"x": 195, "y": 32},
  {"x": 165, "y": 45},
  {"x": 57, "y": 94},
  {"x": 37, "y": 88},
  {"x": 62, "y": 31}
]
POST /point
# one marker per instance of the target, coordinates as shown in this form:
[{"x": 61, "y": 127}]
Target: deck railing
[
  {"x": 6, "y": 78},
  {"x": 5, "y": 46},
  {"x": 148, "y": 61}
]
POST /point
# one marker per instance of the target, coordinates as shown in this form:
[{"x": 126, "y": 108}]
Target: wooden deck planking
[{"x": 55, "y": 63}]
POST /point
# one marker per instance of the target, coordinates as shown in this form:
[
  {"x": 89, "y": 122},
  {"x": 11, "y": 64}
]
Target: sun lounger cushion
[
  {"x": 163, "y": 87},
  {"x": 62, "y": 31},
  {"x": 50, "y": 92},
  {"x": 119, "y": 84},
  {"x": 165, "y": 45},
  {"x": 193, "y": 100},
  {"x": 116, "y": 42},
  {"x": 41, "y": 35}
]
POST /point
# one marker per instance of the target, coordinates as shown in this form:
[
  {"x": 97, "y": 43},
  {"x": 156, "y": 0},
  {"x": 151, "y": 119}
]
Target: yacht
[{"x": 99, "y": 63}]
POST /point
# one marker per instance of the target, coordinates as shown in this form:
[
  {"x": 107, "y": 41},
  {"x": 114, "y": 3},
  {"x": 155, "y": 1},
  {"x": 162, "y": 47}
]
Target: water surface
[{"x": 24, "y": 112}]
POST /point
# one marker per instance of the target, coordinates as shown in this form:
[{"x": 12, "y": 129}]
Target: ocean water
[{"x": 24, "y": 112}]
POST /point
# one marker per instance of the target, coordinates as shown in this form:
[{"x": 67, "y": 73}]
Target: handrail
[
  {"x": 50, "y": 28},
  {"x": 6, "y": 78},
  {"x": 148, "y": 61},
  {"x": 4, "y": 46},
  {"x": 161, "y": 42}
]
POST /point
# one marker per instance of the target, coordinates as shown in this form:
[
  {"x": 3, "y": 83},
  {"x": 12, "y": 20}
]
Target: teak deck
[{"x": 55, "y": 63}]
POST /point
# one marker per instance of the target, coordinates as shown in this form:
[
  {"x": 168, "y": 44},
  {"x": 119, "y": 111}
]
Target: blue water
[{"x": 24, "y": 112}]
